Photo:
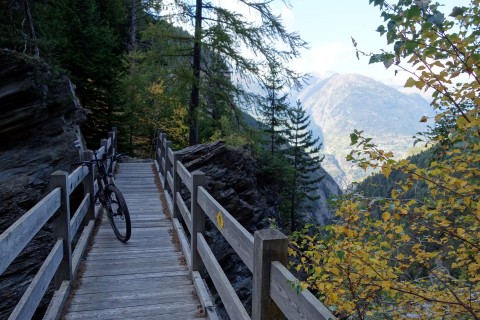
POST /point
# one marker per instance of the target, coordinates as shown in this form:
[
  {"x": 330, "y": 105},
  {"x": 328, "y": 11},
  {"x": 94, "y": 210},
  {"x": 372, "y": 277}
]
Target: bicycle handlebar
[{"x": 113, "y": 157}]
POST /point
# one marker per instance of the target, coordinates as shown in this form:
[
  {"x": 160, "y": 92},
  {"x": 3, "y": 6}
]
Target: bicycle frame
[
  {"x": 109, "y": 196},
  {"x": 104, "y": 170}
]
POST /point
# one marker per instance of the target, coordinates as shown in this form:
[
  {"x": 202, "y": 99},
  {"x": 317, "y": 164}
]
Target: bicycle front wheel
[{"x": 118, "y": 214}]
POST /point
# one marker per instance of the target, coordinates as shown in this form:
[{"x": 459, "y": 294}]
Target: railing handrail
[
  {"x": 264, "y": 253},
  {"x": 61, "y": 264}
]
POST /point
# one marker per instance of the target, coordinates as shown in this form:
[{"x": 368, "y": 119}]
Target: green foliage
[
  {"x": 157, "y": 79},
  {"x": 303, "y": 155},
  {"x": 226, "y": 34},
  {"x": 379, "y": 187},
  {"x": 273, "y": 110},
  {"x": 11, "y": 34},
  {"x": 147, "y": 105},
  {"x": 84, "y": 38},
  {"x": 133, "y": 69}
]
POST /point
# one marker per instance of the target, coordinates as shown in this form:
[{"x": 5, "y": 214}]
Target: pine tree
[
  {"x": 303, "y": 155},
  {"x": 274, "y": 110},
  {"x": 86, "y": 39},
  {"x": 229, "y": 33}
]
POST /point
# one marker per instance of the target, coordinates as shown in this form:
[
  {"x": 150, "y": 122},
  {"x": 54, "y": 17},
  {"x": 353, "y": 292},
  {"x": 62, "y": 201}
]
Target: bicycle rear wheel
[{"x": 118, "y": 213}]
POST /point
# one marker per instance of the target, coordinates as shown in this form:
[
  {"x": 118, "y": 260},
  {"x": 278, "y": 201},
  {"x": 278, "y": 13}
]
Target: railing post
[
  {"x": 111, "y": 136},
  {"x": 176, "y": 185},
  {"x": 104, "y": 144},
  {"x": 159, "y": 148},
  {"x": 89, "y": 186},
  {"x": 115, "y": 139},
  {"x": 61, "y": 226},
  {"x": 168, "y": 164},
  {"x": 269, "y": 245},
  {"x": 198, "y": 220},
  {"x": 162, "y": 154}
]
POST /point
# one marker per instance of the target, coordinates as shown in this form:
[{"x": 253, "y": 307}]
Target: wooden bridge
[{"x": 159, "y": 273}]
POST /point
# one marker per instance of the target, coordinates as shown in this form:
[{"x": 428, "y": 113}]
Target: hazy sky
[{"x": 328, "y": 27}]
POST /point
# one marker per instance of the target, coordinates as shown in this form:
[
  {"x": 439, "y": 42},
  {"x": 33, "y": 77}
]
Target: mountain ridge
[{"x": 343, "y": 102}]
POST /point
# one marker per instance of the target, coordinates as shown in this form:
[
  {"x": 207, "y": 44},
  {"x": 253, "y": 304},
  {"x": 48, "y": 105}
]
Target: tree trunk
[
  {"x": 31, "y": 30},
  {"x": 195, "y": 93},
  {"x": 132, "y": 44},
  {"x": 293, "y": 204},
  {"x": 272, "y": 120}
]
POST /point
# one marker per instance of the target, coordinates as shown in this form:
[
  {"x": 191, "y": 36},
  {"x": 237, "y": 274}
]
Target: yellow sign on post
[{"x": 219, "y": 221}]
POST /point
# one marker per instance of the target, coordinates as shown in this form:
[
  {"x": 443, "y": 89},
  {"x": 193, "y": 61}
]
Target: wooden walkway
[{"x": 143, "y": 279}]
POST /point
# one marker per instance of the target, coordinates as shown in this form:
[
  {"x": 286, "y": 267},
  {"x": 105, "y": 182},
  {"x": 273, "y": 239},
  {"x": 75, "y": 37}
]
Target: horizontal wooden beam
[
  {"x": 33, "y": 295},
  {"x": 21, "y": 232},
  {"x": 185, "y": 245},
  {"x": 170, "y": 155},
  {"x": 77, "y": 176},
  {"x": 204, "y": 296},
  {"x": 81, "y": 247},
  {"x": 236, "y": 235},
  {"x": 294, "y": 306},
  {"x": 182, "y": 207},
  {"x": 59, "y": 299},
  {"x": 232, "y": 303},
  {"x": 170, "y": 180},
  {"x": 77, "y": 218},
  {"x": 185, "y": 176}
]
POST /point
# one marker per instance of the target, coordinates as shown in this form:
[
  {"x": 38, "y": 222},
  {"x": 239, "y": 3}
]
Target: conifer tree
[
  {"x": 229, "y": 33},
  {"x": 85, "y": 38},
  {"x": 274, "y": 110},
  {"x": 303, "y": 155}
]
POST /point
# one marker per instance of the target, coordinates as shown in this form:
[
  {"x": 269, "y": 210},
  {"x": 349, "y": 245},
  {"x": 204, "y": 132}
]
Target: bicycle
[{"x": 110, "y": 197}]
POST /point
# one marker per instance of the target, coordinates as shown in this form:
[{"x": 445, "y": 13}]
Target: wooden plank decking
[{"x": 143, "y": 279}]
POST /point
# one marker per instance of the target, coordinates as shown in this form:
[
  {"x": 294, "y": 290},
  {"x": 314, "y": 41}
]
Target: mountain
[{"x": 344, "y": 102}]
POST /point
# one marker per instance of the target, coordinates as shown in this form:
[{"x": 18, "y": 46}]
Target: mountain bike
[{"x": 110, "y": 197}]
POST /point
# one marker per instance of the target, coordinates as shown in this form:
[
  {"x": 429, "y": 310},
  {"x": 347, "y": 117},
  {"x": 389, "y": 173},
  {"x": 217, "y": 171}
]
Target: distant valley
[{"x": 344, "y": 102}]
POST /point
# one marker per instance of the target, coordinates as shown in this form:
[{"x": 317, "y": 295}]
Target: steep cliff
[
  {"x": 234, "y": 179},
  {"x": 39, "y": 117}
]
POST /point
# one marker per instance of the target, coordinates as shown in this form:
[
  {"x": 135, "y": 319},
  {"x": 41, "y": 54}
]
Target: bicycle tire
[{"x": 117, "y": 212}]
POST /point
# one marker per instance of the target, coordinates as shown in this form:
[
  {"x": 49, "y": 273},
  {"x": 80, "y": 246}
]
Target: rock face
[
  {"x": 326, "y": 188},
  {"x": 39, "y": 117},
  {"x": 232, "y": 178},
  {"x": 345, "y": 102}
]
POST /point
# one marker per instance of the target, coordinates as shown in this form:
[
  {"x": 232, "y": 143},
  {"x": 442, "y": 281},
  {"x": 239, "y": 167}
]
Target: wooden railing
[
  {"x": 62, "y": 263},
  {"x": 264, "y": 253}
]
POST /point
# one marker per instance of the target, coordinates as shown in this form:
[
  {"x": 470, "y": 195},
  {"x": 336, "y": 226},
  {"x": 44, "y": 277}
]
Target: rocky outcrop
[
  {"x": 39, "y": 117},
  {"x": 324, "y": 190},
  {"x": 234, "y": 179}
]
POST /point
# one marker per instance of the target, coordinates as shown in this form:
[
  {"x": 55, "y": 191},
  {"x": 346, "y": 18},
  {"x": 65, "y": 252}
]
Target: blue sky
[{"x": 328, "y": 27}]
